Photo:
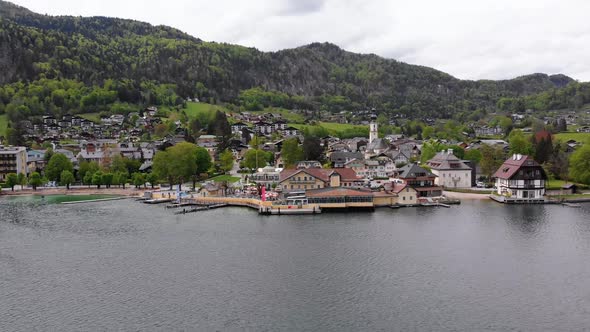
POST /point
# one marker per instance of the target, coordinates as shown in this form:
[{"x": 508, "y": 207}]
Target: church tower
[{"x": 373, "y": 130}]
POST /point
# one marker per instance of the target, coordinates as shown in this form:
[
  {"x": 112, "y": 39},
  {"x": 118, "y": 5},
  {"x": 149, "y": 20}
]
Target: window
[{"x": 404, "y": 198}]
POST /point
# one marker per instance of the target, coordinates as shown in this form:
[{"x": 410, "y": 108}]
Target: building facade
[
  {"x": 13, "y": 159},
  {"x": 450, "y": 171},
  {"x": 521, "y": 178}
]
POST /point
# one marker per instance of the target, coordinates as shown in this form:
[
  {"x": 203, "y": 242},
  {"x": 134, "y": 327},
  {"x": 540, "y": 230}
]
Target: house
[
  {"x": 207, "y": 141},
  {"x": 318, "y": 178},
  {"x": 399, "y": 157},
  {"x": 289, "y": 131},
  {"x": 309, "y": 164},
  {"x": 420, "y": 179},
  {"x": 449, "y": 170},
  {"x": 236, "y": 128},
  {"x": 263, "y": 128},
  {"x": 488, "y": 131},
  {"x": 279, "y": 125},
  {"x": 210, "y": 190},
  {"x": 520, "y": 179},
  {"x": 35, "y": 160},
  {"x": 380, "y": 166},
  {"x": 339, "y": 159},
  {"x": 267, "y": 176}
]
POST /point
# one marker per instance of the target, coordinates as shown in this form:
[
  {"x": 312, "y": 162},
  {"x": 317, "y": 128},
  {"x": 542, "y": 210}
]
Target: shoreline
[
  {"x": 458, "y": 195},
  {"x": 129, "y": 192}
]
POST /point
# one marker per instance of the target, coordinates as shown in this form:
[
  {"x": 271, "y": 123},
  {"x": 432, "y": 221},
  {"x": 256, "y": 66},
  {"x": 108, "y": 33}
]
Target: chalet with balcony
[
  {"x": 421, "y": 180},
  {"x": 520, "y": 179}
]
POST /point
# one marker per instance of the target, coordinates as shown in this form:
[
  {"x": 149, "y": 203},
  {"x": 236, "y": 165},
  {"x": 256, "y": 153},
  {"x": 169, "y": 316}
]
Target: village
[{"x": 390, "y": 170}]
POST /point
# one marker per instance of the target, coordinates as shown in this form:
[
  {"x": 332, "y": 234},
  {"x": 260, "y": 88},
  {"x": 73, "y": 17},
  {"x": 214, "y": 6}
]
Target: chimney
[
  {"x": 518, "y": 156},
  {"x": 450, "y": 151}
]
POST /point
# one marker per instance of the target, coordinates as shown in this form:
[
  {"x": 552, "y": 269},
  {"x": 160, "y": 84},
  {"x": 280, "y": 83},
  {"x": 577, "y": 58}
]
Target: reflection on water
[{"x": 123, "y": 265}]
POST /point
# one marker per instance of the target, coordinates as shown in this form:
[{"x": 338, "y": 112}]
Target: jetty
[
  {"x": 158, "y": 200},
  {"x": 200, "y": 208}
]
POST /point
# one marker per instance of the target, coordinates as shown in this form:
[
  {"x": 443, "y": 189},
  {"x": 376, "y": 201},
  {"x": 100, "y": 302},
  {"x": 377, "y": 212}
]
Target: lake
[{"x": 122, "y": 265}]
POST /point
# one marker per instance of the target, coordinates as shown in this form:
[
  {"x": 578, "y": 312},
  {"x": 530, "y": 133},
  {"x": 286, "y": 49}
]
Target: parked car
[{"x": 480, "y": 184}]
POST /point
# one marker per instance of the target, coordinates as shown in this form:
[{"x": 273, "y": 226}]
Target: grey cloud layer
[{"x": 468, "y": 39}]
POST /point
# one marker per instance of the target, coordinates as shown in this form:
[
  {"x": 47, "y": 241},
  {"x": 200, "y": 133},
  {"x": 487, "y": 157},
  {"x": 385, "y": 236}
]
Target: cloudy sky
[{"x": 469, "y": 39}]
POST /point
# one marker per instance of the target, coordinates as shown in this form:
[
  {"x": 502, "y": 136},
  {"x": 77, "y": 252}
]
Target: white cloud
[{"x": 468, "y": 39}]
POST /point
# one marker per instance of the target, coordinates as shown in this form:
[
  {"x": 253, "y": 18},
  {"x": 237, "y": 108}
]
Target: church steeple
[{"x": 373, "y": 129}]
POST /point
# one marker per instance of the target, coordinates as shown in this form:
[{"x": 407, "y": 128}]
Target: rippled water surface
[{"x": 120, "y": 265}]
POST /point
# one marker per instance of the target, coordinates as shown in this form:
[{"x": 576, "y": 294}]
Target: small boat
[{"x": 574, "y": 205}]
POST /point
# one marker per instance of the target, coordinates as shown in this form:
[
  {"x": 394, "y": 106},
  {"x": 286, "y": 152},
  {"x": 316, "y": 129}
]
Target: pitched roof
[
  {"x": 446, "y": 160},
  {"x": 378, "y": 144},
  {"x": 411, "y": 171},
  {"x": 337, "y": 192},
  {"x": 346, "y": 174},
  {"x": 511, "y": 166}
]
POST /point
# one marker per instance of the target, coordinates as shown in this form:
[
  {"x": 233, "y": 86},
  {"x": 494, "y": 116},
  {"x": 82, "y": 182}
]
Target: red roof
[
  {"x": 346, "y": 174},
  {"x": 337, "y": 192},
  {"x": 512, "y": 165}
]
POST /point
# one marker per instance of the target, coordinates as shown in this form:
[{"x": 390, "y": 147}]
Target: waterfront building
[
  {"x": 421, "y": 180},
  {"x": 318, "y": 178},
  {"x": 450, "y": 171},
  {"x": 267, "y": 176},
  {"x": 520, "y": 179},
  {"x": 13, "y": 159}
]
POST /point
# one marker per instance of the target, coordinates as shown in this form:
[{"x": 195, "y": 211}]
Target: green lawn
[
  {"x": 337, "y": 129},
  {"x": 197, "y": 109},
  {"x": 94, "y": 117},
  {"x": 579, "y": 137},
  {"x": 228, "y": 178},
  {"x": 3, "y": 124},
  {"x": 557, "y": 184}
]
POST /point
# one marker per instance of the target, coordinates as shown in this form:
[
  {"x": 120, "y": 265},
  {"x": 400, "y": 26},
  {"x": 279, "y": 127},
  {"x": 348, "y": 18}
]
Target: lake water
[{"x": 122, "y": 265}]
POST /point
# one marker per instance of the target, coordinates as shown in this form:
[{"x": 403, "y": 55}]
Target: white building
[
  {"x": 520, "y": 179},
  {"x": 450, "y": 171}
]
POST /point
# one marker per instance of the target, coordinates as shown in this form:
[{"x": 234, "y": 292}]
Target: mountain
[{"x": 92, "y": 50}]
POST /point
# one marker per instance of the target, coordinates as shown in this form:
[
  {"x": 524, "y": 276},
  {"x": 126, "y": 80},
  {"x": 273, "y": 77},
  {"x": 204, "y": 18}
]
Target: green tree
[
  {"x": 183, "y": 162},
  {"x": 138, "y": 179},
  {"x": 66, "y": 178},
  {"x": 11, "y": 180},
  {"x": 56, "y": 165},
  {"x": 519, "y": 144},
  {"x": 473, "y": 155},
  {"x": 203, "y": 160},
  {"x": 312, "y": 148},
  {"x": 35, "y": 180},
  {"x": 87, "y": 167},
  {"x": 255, "y": 158},
  {"x": 107, "y": 179},
  {"x": 152, "y": 179},
  {"x": 491, "y": 159},
  {"x": 22, "y": 179},
  {"x": 87, "y": 179},
  {"x": 118, "y": 164},
  {"x": 97, "y": 179},
  {"x": 580, "y": 165},
  {"x": 162, "y": 167},
  {"x": 291, "y": 152},
  {"x": 226, "y": 161},
  {"x": 122, "y": 178}
]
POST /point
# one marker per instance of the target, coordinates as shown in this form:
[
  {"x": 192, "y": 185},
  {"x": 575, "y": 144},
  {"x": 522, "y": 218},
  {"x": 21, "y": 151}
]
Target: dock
[
  {"x": 274, "y": 210},
  {"x": 201, "y": 208},
  {"x": 158, "y": 200}
]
